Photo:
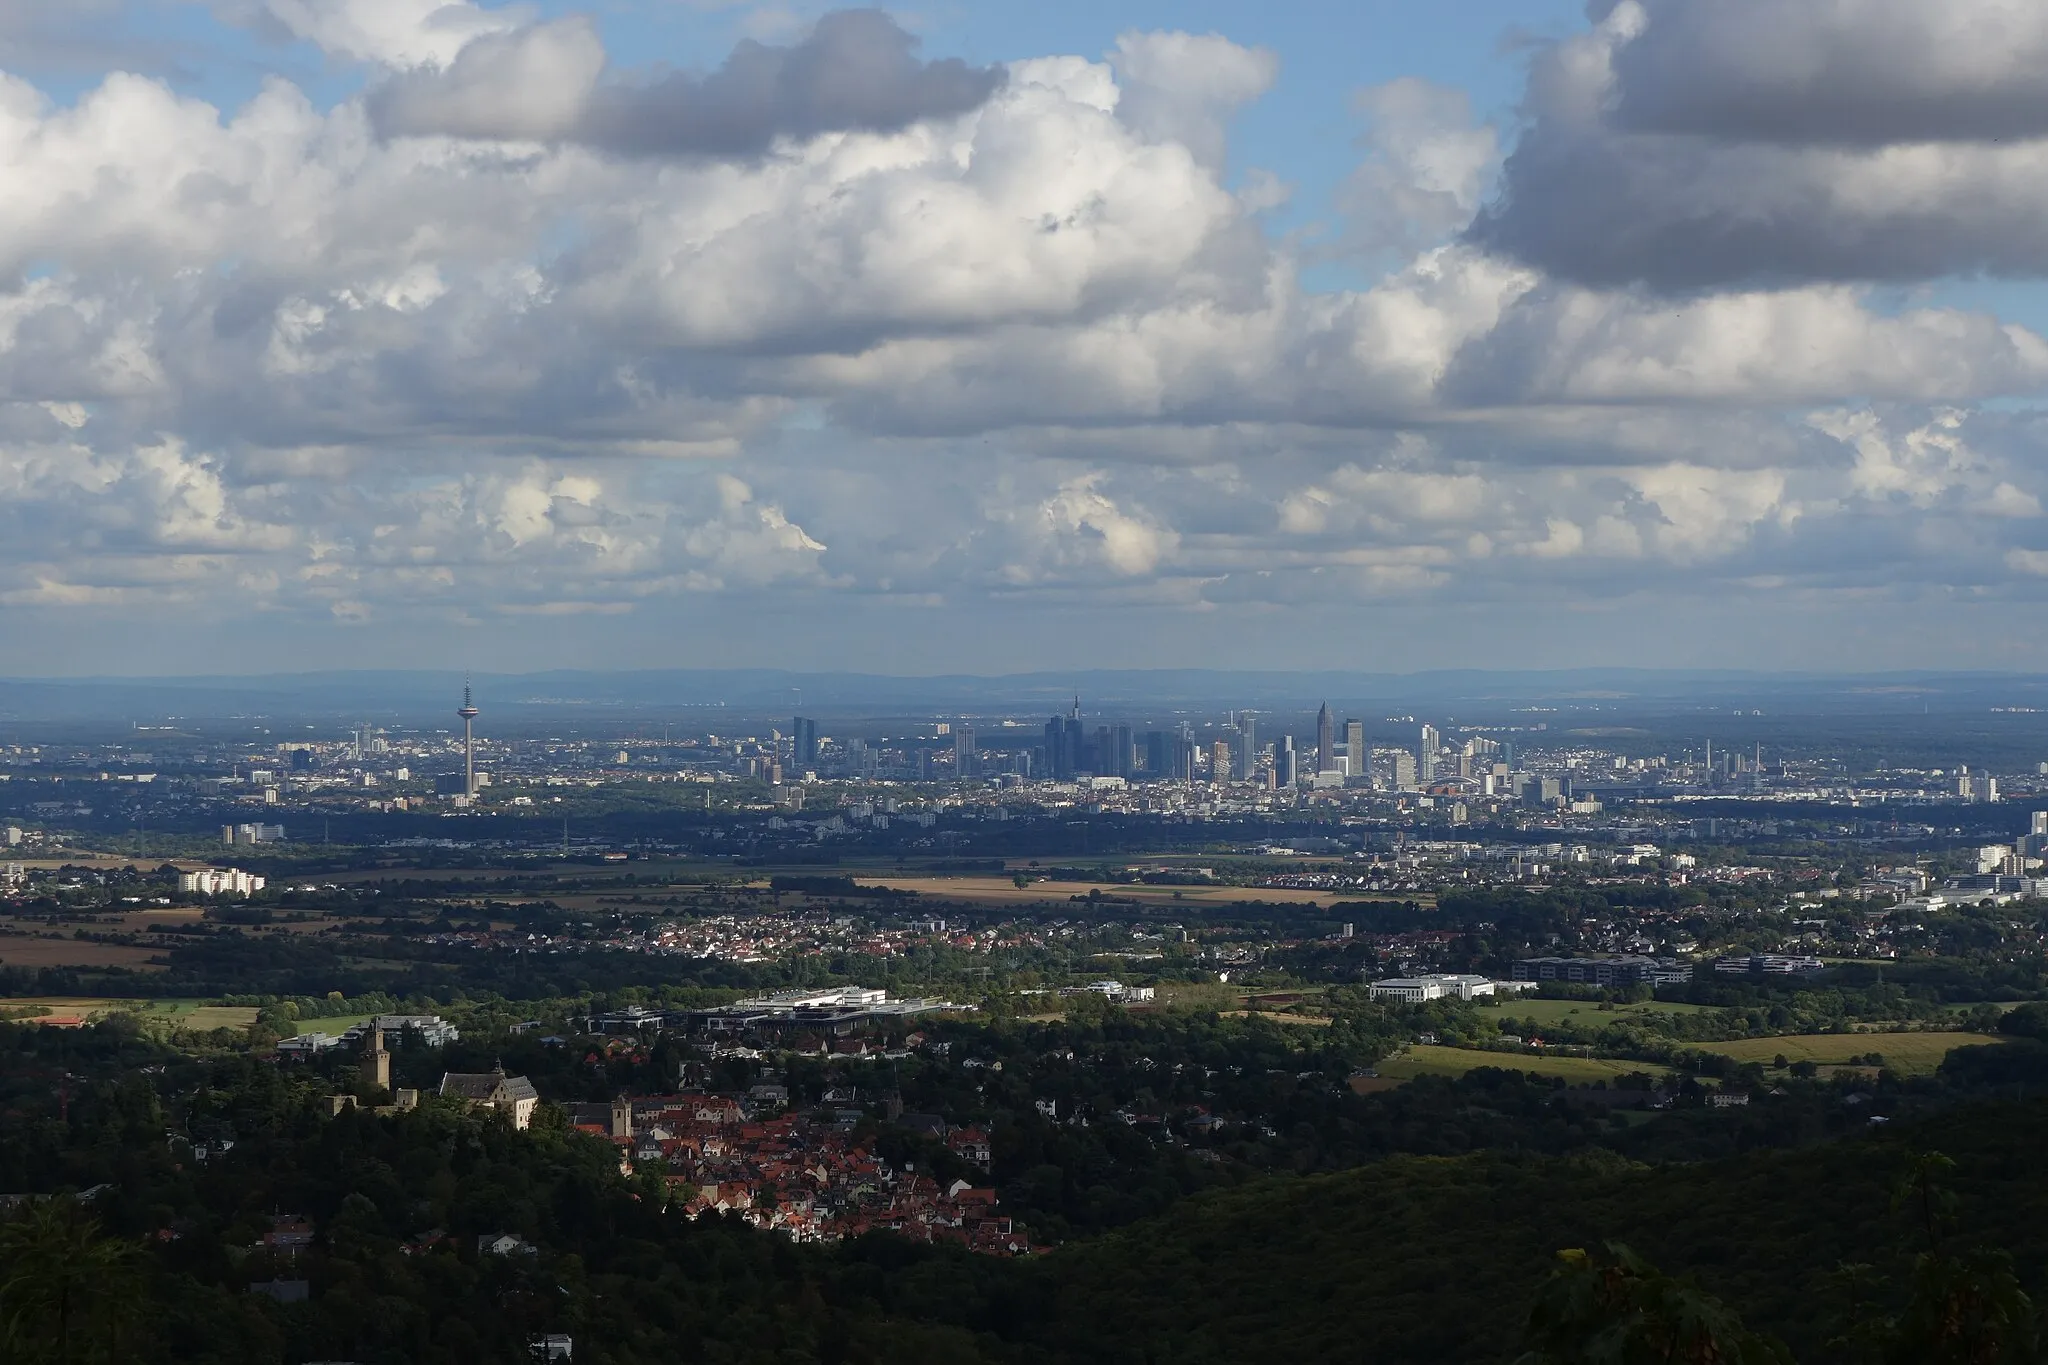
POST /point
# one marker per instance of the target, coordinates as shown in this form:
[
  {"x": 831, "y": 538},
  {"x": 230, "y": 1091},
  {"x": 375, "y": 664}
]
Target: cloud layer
[
  {"x": 835, "y": 331},
  {"x": 1762, "y": 142},
  {"x": 856, "y": 71}
]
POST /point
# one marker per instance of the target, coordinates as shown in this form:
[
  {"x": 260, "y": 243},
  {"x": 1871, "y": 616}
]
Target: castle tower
[
  {"x": 376, "y": 1070},
  {"x": 622, "y": 1117}
]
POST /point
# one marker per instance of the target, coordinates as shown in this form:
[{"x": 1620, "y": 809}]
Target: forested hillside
[{"x": 1408, "y": 1258}]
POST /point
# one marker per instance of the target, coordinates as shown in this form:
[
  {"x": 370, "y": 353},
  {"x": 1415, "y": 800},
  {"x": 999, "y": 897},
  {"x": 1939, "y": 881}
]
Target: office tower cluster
[
  {"x": 1241, "y": 750},
  {"x": 1245, "y": 752}
]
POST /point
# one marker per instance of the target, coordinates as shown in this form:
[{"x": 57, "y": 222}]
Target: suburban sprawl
[{"x": 406, "y": 1012}]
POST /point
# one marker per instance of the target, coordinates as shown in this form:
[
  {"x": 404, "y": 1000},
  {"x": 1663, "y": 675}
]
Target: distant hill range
[{"x": 415, "y": 697}]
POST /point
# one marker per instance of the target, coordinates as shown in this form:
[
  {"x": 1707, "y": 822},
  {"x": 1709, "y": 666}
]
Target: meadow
[
  {"x": 1909, "y": 1054},
  {"x": 1585, "y": 1012}
]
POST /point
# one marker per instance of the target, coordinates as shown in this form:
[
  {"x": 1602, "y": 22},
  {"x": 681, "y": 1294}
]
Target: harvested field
[
  {"x": 1272, "y": 1016},
  {"x": 1003, "y": 891},
  {"x": 70, "y": 952},
  {"x": 105, "y": 860},
  {"x": 185, "y": 1013}
]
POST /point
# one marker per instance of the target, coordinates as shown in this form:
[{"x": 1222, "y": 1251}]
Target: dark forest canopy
[{"x": 1421, "y": 1258}]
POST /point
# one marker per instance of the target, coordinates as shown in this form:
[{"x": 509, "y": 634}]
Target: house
[
  {"x": 513, "y": 1096},
  {"x": 504, "y": 1244},
  {"x": 718, "y": 1109},
  {"x": 289, "y": 1233},
  {"x": 969, "y": 1144},
  {"x": 925, "y": 1125},
  {"x": 553, "y": 1346}
]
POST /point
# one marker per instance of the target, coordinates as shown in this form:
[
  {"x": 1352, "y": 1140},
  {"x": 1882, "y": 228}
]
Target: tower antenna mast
[{"x": 468, "y": 714}]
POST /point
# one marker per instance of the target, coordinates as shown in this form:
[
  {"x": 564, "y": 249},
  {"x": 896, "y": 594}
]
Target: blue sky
[{"x": 978, "y": 337}]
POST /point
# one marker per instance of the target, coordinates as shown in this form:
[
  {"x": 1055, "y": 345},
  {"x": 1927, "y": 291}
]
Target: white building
[
  {"x": 829, "y": 997},
  {"x": 1433, "y": 986},
  {"x": 512, "y": 1096},
  {"x": 306, "y": 1044},
  {"x": 1119, "y": 992},
  {"x": 432, "y": 1029},
  {"x": 214, "y": 881},
  {"x": 1993, "y": 857}
]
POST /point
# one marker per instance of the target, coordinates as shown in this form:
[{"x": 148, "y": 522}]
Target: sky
[{"x": 981, "y": 337}]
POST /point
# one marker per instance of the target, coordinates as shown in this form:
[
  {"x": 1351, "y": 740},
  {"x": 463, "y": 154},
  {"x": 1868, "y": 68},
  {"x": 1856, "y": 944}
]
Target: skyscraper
[
  {"x": 965, "y": 756},
  {"x": 1355, "y": 756},
  {"x": 803, "y": 748},
  {"x": 1118, "y": 763},
  {"x": 1285, "y": 777},
  {"x": 1067, "y": 750},
  {"x": 1077, "y": 746},
  {"x": 469, "y": 715},
  {"x": 1056, "y": 766},
  {"x": 1326, "y": 740},
  {"x": 1248, "y": 748},
  {"x": 1425, "y": 756}
]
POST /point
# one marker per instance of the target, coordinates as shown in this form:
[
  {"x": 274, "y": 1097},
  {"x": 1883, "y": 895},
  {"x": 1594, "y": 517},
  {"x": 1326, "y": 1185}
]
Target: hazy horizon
[{"x": 551, "y": 698}]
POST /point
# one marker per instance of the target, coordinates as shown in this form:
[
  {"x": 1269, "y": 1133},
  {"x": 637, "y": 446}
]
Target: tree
[
  {"x": 1964, "y": 1308},
  {"x": 1626, "y": 1312},
  {"x": 67, "y": 1294},
  {"x": 2027, "y": 1021}
]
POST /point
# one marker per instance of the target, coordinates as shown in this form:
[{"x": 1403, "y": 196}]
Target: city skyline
[{"x": 1356, "y": 336}]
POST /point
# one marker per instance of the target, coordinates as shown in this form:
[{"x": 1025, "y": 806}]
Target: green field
[
  {"x": 1912, "y": 1054},
  {"x": 1425, "y": 1059},
  {"x": 1585, "y": 1012}
]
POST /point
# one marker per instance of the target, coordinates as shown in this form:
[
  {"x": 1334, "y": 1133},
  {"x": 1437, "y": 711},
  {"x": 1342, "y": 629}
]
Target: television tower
[{"x": 468, "y": 714}]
